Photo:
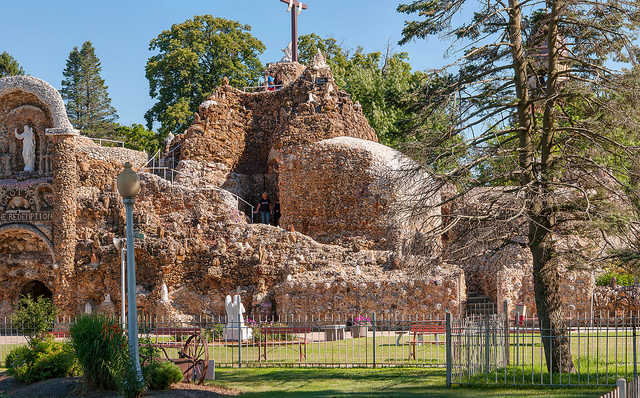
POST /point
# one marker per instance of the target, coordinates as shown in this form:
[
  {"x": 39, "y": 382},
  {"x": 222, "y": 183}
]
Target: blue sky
[{"x": 40, "y": 34}]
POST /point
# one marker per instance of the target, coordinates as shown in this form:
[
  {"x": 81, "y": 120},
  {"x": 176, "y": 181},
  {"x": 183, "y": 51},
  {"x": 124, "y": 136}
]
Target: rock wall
[
  {"x": 395, "y": 294},
  {"x": 343, "y": 189}
]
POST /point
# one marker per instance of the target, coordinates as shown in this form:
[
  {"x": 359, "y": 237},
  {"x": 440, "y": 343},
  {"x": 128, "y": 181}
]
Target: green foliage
[
  {"x": 44, "y": 359},
  {"x": 622, "y": 278},
  {"x": 101, "y": 347},
  {"x": 138, "y": 137},
  {"x": 161, "y": 375},
  {"x": 35, "y": 316},
  {"x": 84, "y": 90},
  {"x": 192, "y": 59},
  {"x": 130, "y": 386},
  {"x": 9, "y": 66},
  {"x": 382, "y": 84}
]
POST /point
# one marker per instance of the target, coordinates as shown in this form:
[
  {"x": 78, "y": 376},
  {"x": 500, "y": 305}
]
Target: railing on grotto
[{"x": 163, "y": 167}]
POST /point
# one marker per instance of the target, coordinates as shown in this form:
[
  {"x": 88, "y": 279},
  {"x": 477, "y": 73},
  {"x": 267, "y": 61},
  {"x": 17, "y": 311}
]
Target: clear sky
[{"x": 41, "y": 33}]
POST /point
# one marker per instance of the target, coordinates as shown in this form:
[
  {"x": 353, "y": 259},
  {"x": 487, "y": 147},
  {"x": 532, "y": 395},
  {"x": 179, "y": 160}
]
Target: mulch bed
[{"x": 74, "y": 387}]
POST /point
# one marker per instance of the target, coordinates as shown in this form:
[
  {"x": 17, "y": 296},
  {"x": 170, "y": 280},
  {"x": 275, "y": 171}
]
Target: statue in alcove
[{"x": 28, "y": 148}]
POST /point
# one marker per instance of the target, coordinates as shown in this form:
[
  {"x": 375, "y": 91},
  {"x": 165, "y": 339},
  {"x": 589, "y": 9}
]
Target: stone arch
[
  {"x": 48, "y": 95},
  {"x": 32, "y": 231},
  {"x": 36, "y": 288}
]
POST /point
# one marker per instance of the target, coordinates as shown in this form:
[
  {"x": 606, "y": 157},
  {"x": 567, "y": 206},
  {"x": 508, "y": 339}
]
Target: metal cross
[{"x": 295, "y": 7}]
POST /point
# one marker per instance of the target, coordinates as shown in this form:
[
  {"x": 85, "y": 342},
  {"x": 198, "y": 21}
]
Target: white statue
[
  {"x": 288, "y": 54},
  {"x": 318, "y": 61},
  {"x": 235, "y": 309},
  {"x": 164, "y": 293},
  {"x": 28, "y": 148},
  {"x": 88, "y": 309}
]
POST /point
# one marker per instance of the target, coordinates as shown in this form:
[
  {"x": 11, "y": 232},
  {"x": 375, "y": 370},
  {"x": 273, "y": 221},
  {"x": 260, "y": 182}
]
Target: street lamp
[
  {"x": 129, "y": 187},
  {"x": 120, "y": 243}
]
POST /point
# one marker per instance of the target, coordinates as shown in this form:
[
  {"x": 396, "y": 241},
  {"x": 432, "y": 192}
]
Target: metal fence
[
  {"x": 286, "y": 341},
  {"x": 480, "y": 349},
  {"x": 497, "y": 351}
]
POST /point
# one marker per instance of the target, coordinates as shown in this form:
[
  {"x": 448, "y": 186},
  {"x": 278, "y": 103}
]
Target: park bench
[
  {"x": 269, "y": 338},
  {"x": 420, "y": 329}
]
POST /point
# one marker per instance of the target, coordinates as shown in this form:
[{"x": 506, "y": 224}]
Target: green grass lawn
[{"x": 390, "y": 382}]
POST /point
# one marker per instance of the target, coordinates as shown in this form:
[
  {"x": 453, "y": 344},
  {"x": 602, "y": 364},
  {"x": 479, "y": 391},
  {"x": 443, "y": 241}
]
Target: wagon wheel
[{"x": 196, "y": 351}]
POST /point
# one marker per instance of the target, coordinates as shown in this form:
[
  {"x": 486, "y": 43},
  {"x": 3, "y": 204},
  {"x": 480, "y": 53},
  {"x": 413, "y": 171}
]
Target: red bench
[
  {"x": 422, "y": 328},
  {"x": 275, "y": 331}
]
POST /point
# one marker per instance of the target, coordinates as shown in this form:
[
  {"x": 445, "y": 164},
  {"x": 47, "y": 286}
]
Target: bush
[
  {"x": 42, "y": 360},
  {"x": 101, "y": 347},
  {"x": 622, "y": 278},
  {"x": 35, "y": 316},
  {"x": 161, "y": 375}
]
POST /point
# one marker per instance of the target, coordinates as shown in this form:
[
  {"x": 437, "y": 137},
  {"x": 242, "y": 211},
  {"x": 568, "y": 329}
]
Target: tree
[
  {"x": 88, "y": 102},
  {"x": 137, "y": 137},
  {"x": 9, "y": 66},
  {"x": 381, "y": 83},
  {"x": 519, "y": 76},
  {"x": 36, "y": 316},
  {"x": 191, "y": 61}
]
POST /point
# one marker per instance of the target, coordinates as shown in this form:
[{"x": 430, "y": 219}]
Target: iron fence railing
[
  {"x": 494, "y": 350},
  {"x": 107, "y": 142}
]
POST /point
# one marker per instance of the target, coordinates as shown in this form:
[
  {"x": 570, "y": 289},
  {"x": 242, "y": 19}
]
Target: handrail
[
  {"x": 151, "y": 159},
  {"x": 252, "y": 89},
  {"x": 205, "y": 188},
  {"x": 100, "y": 140}
]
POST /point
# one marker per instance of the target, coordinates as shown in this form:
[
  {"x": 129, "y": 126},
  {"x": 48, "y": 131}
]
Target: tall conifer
[
  {"x": 9, "y": 66},
  {"x": 88, "y": 102}
]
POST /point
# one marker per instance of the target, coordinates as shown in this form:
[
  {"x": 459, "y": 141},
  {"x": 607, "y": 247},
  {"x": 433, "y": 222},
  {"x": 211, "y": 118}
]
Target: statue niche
[{"x": 24, "y": 147}]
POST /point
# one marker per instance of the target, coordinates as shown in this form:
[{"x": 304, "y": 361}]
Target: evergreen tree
[
  {"x": 532, "y": 90},
  {"x": 9, "y": 66},
  {"x": 88, "y": 102}
]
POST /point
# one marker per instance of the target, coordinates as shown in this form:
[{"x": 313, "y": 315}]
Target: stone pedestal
[{"x": 231, "y": 333}]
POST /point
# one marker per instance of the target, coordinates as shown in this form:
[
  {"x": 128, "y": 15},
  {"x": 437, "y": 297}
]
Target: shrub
[
  {"x": 101, "y": 347},
  {"x": 622, "y": 278},
  {"x": 42, "y": 360},
  {"x": 35, "y": 316},
  {"x": 161, "y": 375}
]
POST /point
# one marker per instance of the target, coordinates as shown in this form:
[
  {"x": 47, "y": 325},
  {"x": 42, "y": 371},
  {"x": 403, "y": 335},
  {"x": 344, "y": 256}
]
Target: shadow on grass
[{"x": 377, "y": 383}]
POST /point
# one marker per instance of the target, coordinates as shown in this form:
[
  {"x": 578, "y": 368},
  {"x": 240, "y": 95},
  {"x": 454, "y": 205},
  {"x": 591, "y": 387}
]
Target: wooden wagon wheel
[{"x": 196, "y": 351}]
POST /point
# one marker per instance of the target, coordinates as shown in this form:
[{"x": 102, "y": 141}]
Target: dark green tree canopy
[
  {"x": 85, "y": 92},
  {"x": 192, "y": 59},
  {"x": 9, "y": 66},
  {"x": 381, "y": 83}
]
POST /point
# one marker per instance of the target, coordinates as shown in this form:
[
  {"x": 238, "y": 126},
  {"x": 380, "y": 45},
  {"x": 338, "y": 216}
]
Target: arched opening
[{"x": 35, "y": 289}]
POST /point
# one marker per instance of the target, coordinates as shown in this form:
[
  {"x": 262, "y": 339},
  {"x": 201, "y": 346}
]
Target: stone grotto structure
[{"x": 342, "y": 250}]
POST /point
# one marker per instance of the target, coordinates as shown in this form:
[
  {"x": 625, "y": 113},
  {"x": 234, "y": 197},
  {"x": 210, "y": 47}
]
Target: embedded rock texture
[{"x": 344, "y": 188}]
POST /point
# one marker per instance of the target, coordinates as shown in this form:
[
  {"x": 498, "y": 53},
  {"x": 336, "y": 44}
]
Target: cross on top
[{"x": 295, "y": 7}]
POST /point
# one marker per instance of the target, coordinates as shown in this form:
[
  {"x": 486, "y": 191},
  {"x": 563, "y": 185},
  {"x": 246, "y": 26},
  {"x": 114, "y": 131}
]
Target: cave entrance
[{"x": 36, "y": 289}]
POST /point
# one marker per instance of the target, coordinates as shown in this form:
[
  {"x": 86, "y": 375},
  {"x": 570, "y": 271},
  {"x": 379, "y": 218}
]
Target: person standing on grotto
[
  {"x": 271, "y": 82},
  {"x": 264, "y": 207}
]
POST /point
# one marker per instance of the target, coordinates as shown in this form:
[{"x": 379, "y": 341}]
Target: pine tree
[
  {"x": 88, "y": 102},
  {"x": 9, "y": 66}
]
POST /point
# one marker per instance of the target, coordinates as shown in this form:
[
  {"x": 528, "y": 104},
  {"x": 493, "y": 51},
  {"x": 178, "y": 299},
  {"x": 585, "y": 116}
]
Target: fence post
[
  {"x": 373, "y": 322},
  {"x": 487, "y": 343},
  {"x": 505, "y": 311},
  {"x": 448, "y": 344},
  {"x": 239, "y": 339},
  {"x": 621, "y": 385}
]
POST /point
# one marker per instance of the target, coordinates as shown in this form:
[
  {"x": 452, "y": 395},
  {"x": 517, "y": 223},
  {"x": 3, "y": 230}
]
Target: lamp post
[
  {"x": 129, "y": 187},
  {"x": 119, "y": 243}
]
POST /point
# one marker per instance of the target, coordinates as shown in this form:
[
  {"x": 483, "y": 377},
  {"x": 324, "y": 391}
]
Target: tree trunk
[
  {"x": 542, "y": 216},
  {"x": 546, "y": 282}
]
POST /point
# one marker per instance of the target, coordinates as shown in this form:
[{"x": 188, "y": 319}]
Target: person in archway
[{"x": 264, "y": 208}]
